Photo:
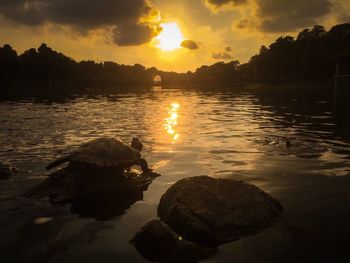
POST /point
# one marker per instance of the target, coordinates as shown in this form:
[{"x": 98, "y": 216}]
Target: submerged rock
[
  {"x": 72, "y": 182},
  {"x": 99, "y": 193},
  {"x": 211, "y": 211},
  {"x": 157, "y": 242},
  {"x": 6, "y": 170}
]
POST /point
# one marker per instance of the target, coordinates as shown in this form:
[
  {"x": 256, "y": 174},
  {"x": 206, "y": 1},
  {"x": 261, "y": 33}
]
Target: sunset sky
[{"x": 177, "y": 35}]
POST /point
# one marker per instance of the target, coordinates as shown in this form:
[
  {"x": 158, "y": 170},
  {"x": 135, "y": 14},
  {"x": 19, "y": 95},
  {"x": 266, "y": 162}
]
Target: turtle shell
[{"x": 105, "y": 152}]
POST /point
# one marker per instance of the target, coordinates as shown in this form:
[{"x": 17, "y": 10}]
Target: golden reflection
[{"x": 171, "y": 121}]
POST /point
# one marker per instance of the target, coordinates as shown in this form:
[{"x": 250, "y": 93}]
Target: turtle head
[{"x": 136, "y": 144}]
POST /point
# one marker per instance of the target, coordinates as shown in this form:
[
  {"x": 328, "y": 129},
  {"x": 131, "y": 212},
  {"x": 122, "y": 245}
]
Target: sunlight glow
[
  {"x": 170, "y": 38},
  {"x": 171, "y": 121}
]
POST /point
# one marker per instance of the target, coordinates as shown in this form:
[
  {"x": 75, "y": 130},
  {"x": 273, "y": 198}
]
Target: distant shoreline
[
  {"x": 67, "y": 89},
  {"x": 307, "y": 84}
]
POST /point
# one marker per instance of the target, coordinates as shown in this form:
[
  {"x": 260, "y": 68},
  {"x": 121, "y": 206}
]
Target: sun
[{"x": 170, "y": 38}]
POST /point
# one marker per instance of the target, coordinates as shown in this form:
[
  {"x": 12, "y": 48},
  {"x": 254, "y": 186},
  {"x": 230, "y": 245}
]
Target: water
[{"x": 237, "y": 135}]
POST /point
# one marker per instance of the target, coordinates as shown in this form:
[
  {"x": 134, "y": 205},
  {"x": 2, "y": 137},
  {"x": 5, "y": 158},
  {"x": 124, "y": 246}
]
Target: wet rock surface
[
  {"x": 212, "y": 211},
  {"x": 157, "y": 242}
]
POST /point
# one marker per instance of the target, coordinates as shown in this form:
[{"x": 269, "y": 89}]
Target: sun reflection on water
[{"x": 171, "y": 121}]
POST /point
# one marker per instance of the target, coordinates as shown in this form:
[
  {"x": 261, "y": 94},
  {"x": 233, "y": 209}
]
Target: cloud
[
  {"x": 132, "y": 34},
  {"x": 130, "y": 20},
  {"x": 343, "y": 18},
  {"x": 219, "y": 3},
  {"x": 277, "y": 16},
  {"x": 285, "y": 15},
  {"x": 221, "y": 55},
  {"x": 189, "y": 44},
  {"x": 243, "y": 24}
]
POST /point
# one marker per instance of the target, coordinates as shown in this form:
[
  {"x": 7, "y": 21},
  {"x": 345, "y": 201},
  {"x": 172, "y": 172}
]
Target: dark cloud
[
  {"x": 132, "y": 34},
  {"x": 222, "y": 55},
  {"x": 243, "y": 24},
  {"x": 218, "y": 3},
  {"x": 287, "y": 15},
  {"x": 124, "y": 16},
  {"x": 189, "y": 44},
  {"x": 24, "y": 12},
  {"x": 228, "y": 49}
]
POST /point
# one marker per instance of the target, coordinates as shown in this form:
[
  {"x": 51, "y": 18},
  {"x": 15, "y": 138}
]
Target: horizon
[{"x": 177, "y": 36}]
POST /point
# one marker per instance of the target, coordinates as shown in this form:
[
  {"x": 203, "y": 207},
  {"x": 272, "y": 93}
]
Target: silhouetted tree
[{"x": 9, "y": 63}]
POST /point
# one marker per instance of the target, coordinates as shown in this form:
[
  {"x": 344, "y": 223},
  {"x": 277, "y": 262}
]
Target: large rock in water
[
  {"x": 211, "y": 211},
  {"x": 157, "y": 242}
]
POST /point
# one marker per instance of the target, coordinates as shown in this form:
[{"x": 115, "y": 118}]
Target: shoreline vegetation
[{"x": 307, "y": 61}]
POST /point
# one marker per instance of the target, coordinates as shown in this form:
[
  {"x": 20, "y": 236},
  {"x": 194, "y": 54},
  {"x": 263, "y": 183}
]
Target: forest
[{"x": 310, "y": 55}]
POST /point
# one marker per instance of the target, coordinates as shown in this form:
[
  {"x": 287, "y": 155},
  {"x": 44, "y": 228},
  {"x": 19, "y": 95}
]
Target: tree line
[
  {"x": 309, "y": 55},
  {"x": 47, "y": 66}
]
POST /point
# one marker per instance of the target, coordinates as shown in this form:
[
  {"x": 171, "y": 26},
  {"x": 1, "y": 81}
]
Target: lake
[{"x": 238, "y": 135}]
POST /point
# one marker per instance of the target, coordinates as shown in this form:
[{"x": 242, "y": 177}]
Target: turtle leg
[
  {"x": 57, "y": 162},
  {"x": 143, "y": 164},
  {"x": 127, "y": 168},
  {"x": 121, "y": 169}
]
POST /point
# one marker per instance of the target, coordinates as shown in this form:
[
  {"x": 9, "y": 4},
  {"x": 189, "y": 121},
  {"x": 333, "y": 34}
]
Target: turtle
[{"x": 105, "y": 152}]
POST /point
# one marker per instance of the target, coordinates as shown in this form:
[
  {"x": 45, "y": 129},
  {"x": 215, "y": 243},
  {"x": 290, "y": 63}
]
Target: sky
[{"x": 172, "y": 35}]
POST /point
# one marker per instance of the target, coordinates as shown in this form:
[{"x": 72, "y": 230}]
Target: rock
[
  {"x": 213, "y": 211},
  {"x": 157, "y": 242},
  {"x": 7, "y": 170}
]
